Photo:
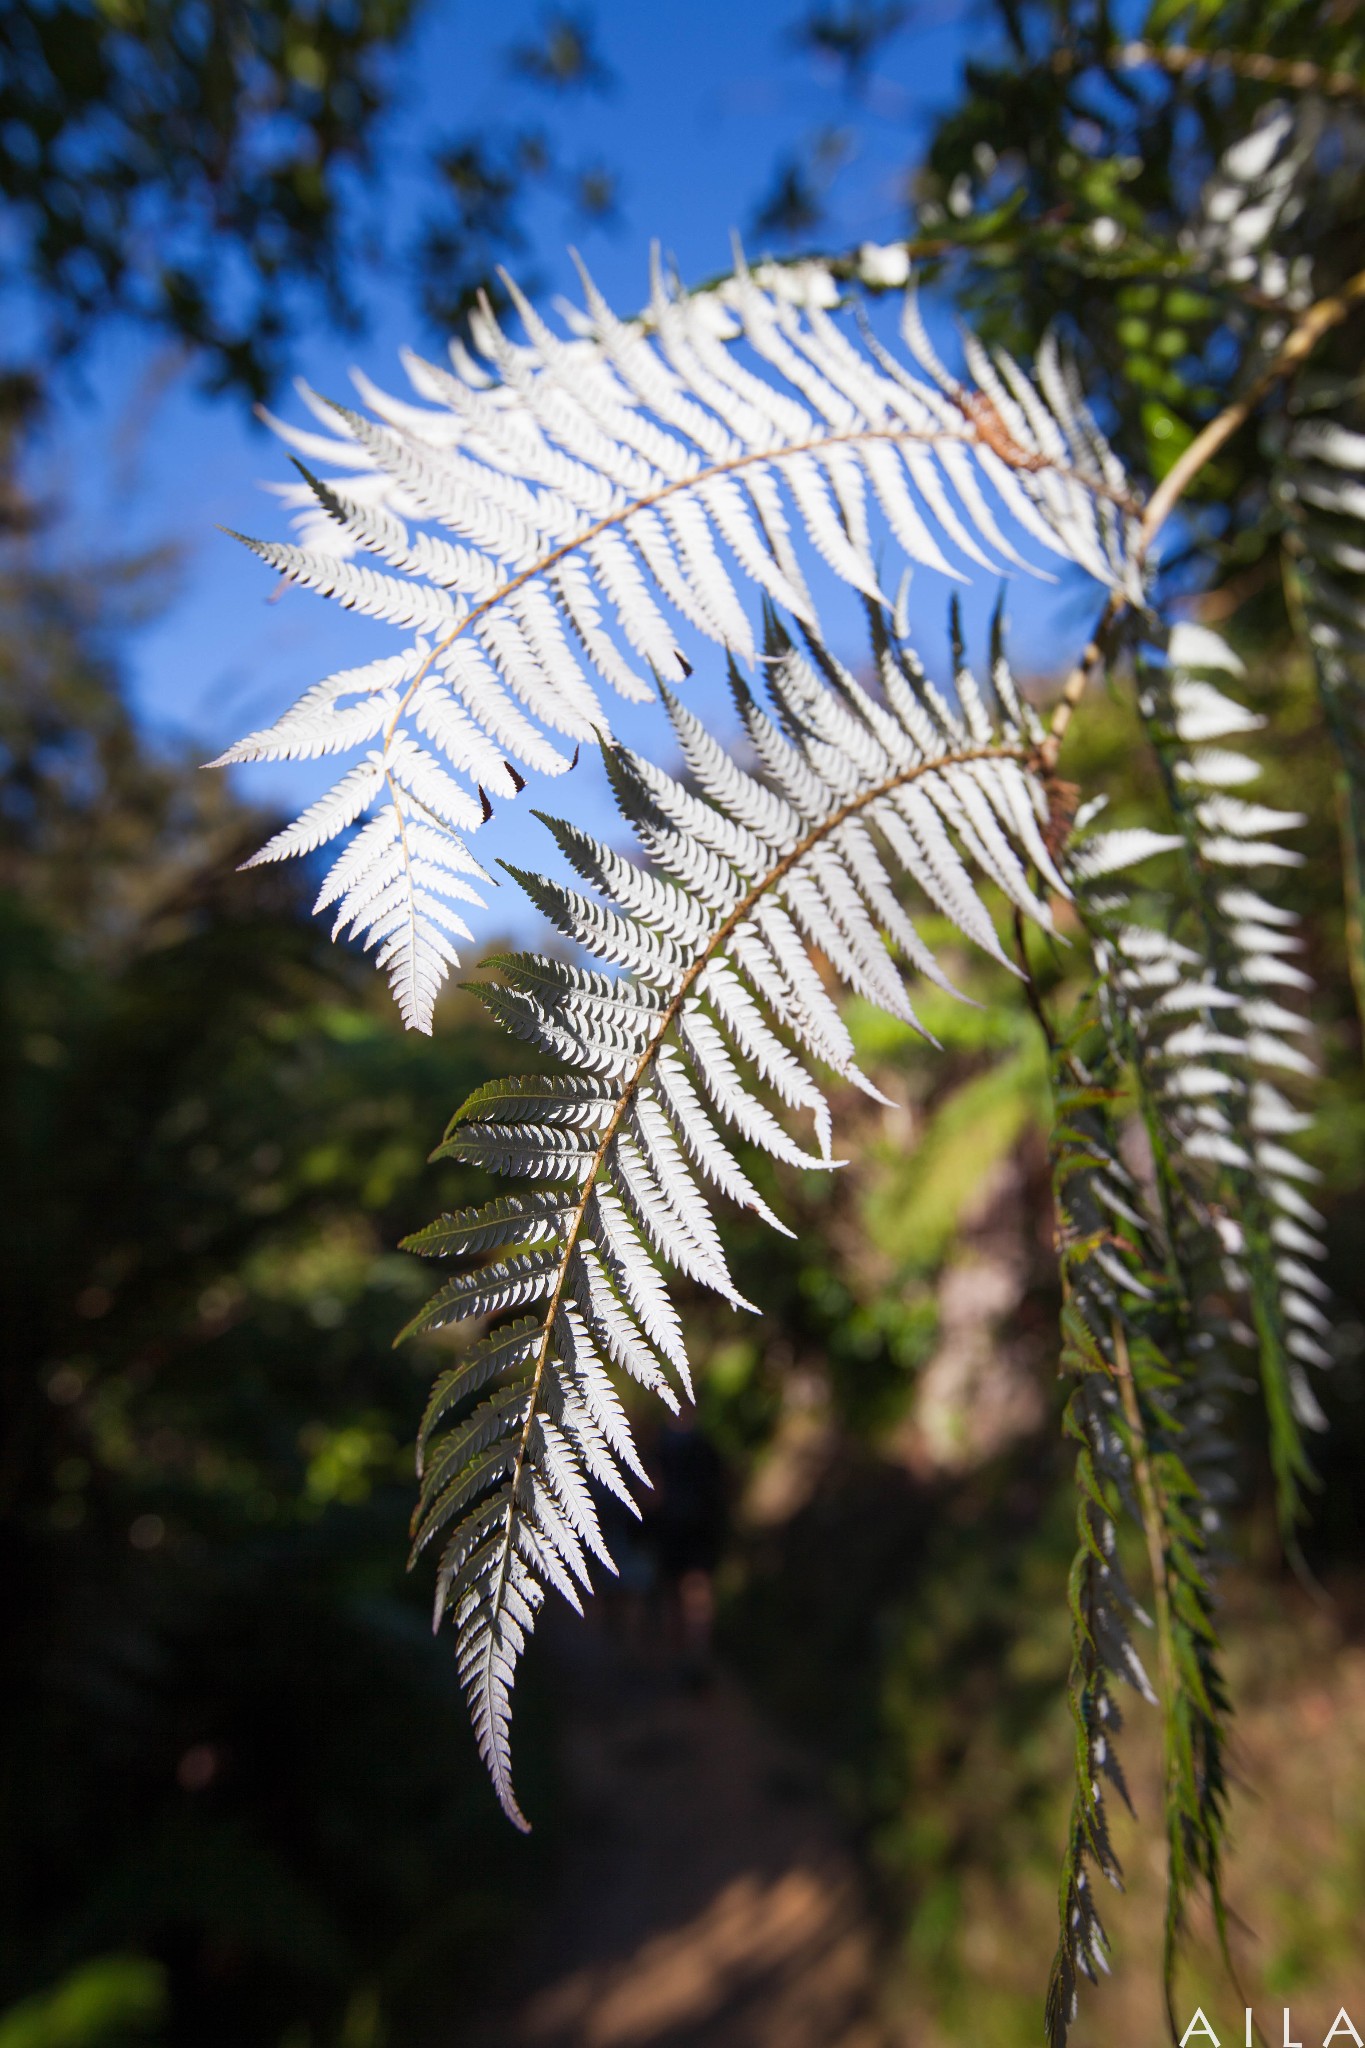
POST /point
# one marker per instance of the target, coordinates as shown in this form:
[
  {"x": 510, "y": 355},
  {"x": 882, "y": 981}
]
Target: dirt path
[{"x": 705, "y": 1897}]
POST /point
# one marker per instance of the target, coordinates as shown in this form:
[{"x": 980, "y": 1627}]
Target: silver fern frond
[
  {"x": 1208, "y": 1005},
  {"x": 1189, "y": 1023},
  {"x": 569, "y": 510},
  {"x": 708, "y": 1010}
]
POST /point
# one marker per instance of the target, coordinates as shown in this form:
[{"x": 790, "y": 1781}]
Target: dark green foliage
[
  {"x": 1072, "y": 125},
  {"x": 476, "y": 221},
  {"x": 140, "y": 139},
  {"x": 199, "y": 169},
  {"x": 849, "y": 36},
  {"x": 1146, "y": 1412},
  {"x": 485, "y": 177},
  {"x": 225, "y": 1748},
  {"x": 566, "y": 56},
  {"x": 793, "y": 206}
]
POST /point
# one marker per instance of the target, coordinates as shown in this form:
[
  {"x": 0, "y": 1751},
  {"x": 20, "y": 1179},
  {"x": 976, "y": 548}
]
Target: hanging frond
[
  {"x": 1207, "y": 1003},
  {"x": 1321, "y": 491},
  {"x": 1146, "y": 1413},
  {"x": 709, "y": 1009},
  {"x": 572, "y": 510}
]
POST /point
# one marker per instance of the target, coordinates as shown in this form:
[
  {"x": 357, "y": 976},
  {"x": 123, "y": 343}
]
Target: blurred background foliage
[
  {"x": 238, "y": 1803},
  {"x": 227, "y": 1741}
]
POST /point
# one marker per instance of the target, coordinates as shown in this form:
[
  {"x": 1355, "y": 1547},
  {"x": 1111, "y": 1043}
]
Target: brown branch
[
  {"x": 1303, "y": 339},
  {"x": 1319, "y": 320},
  {"x": 1179, "y": 61},
  {"x": 1078, "y": 682}
]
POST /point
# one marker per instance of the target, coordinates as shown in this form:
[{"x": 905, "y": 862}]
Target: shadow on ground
[{"x": 706, "y": 1894}]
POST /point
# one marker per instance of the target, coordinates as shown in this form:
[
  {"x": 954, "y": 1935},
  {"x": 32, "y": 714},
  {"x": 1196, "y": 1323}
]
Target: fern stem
[
  {"x": 1351, "y": 826},
  {"x": 1350, "y": 807},
  {"x": 1319, "y": 320},
  {"x": 1091, "y": 662},
  {"x": 1032, "y": 994},
  {"x": 1345, "y": 784},
  {"x": 1149, "y": 1500},
  {"x": 1124, "y": 1041}
]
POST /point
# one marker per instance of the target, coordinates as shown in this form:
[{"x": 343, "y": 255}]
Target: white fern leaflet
[
  {"x": 1210, "y": 1010},
  {"x": 576, "y": 510}
]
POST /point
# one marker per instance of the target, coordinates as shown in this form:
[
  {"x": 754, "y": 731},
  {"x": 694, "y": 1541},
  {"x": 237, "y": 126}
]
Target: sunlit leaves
[
  {"x": 575, "y": 509},
  {"x": 721, "y": 1029}
]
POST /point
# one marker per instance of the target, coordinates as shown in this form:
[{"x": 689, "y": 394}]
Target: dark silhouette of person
[{"x": 685, "y": 1522}]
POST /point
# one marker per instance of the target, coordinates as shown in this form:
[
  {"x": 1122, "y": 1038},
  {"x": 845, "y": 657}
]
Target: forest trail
[{"x": 705, "y": 1896}]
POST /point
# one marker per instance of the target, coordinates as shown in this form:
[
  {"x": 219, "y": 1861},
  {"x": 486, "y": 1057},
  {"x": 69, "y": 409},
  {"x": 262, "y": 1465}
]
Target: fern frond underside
[
  {"x": 708, "y": 1010},
  {"x": 572, "y": 510}
]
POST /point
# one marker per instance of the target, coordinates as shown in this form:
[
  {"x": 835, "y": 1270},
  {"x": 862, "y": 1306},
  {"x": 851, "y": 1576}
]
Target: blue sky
[{"x": 709, "y": 94}]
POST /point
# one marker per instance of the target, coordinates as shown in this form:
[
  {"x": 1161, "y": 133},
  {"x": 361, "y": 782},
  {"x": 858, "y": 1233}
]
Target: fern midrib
[
  {"x": 1152, "y": 1502},
  {"x": 724, "y": 931},
  {"x": 1019, "y": 459},
  {"x": 1086, "y": 1664}
]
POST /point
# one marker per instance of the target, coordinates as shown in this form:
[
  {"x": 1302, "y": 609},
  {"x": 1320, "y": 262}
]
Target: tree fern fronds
[
  {"x": 721, "y": 1015},
  {"x": 1214, "y": 1043},
  {"x": 1322, "y": 497},
  {"x": 576, "y": 504},
  {"x": 1245, "y": 948},
  {"x": 1145, "y": 1412}
]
